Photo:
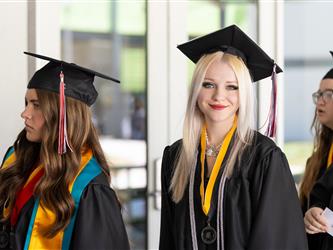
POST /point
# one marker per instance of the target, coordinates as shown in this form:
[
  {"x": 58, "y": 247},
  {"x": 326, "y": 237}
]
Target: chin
[{"x": 31, "y": 138}]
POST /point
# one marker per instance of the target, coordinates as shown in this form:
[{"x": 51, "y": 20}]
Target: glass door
[{"x": 101, "y": 36}]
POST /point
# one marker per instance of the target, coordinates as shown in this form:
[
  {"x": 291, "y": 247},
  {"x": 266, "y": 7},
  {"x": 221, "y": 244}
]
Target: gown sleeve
[
  {"x": 167, "y": 240},
  {"x": 99, "y": 224},
  {"x": 277, "y": 217},
  {"x": 322, "y": 191}
]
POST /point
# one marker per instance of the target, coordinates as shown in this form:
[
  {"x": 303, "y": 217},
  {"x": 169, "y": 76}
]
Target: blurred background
[{"x": 136, "y": 41}]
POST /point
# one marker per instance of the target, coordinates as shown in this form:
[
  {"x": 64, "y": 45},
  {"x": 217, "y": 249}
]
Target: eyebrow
[
  {"x": 32, "y": 100},
  {"x": 209, "y": 79},
  {"x": 329, "y": 89}
]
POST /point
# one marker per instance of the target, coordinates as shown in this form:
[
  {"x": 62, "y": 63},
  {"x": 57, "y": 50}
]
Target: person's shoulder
[
  {"x": 262, "y": 143},
  {"x": 99, "y": 187},
  {"x": 9, "y": 151},
  {"x": 262, "y": 155},
  {"x": 170, "y": 155},
  {"x": 260, "y": 151},
  {"x": 174, "y": 147},
  {"x": 101, "y": 180}
]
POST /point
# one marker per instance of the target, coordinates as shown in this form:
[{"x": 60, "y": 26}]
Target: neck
[{"x": 216, "y": 132}]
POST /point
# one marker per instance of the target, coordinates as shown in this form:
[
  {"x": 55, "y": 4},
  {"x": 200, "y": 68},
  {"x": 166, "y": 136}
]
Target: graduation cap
[
  {"x": 66, "y": 79},
  {"x": 329, "y": 74},
  {"x": 78, "y": 80},
  {"x": 233, "y": 40}
]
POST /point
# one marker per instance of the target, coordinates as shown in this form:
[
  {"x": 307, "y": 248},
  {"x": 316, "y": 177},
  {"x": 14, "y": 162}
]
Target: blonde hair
[{"x": 194, "y": 120}]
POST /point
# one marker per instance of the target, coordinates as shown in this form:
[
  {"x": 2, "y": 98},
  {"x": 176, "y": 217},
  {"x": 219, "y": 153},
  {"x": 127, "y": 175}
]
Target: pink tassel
[
  {"x": 271, "y": 128},
  {"x": 62, "y": 140}
]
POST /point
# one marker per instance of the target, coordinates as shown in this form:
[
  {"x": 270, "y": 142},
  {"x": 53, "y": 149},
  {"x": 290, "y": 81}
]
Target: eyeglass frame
[{"x": 326, "y": 95}]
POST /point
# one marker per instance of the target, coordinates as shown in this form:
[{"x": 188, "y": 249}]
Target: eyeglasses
[{"x": 327, "y": 95}]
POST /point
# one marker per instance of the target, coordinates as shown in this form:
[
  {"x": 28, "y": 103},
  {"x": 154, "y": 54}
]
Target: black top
[
  {"x": 322, "y": 196},
  {"x": 261, "y": 208},
  {"x": 98, "y": 225}
]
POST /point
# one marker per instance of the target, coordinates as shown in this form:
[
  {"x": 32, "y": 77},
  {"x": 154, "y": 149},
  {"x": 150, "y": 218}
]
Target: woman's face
[
  {"x": 324, "y": 106},
  {"x": 218, "y": 98},
  {"x": 33, "y": 117}
]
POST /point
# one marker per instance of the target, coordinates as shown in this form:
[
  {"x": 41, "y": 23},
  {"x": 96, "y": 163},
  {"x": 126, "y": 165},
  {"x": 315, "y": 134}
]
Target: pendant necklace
[
  {"x": 208, "y": 234},
  {"x": 211, "y": 149}
]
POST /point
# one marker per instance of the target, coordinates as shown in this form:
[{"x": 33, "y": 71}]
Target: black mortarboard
[
  {"x": 78, "y": 80},
  {"x": 329, "y": 74},
  {"x": 234, "y": 41}
]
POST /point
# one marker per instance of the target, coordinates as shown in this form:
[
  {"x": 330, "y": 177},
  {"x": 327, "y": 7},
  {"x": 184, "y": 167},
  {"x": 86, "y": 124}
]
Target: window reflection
[{"x": 99, "y": 35}]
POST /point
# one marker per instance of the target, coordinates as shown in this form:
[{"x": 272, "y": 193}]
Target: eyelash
[
  {"x": 36, "y": 105},
  {"x": 232, "y": 87},
  {"x": 209, "y": 85}
]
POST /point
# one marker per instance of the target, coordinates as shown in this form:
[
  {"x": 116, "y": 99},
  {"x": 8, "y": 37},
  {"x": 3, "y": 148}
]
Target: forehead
[
  {"x": 31, "y": 94},
  {"x": 326, "y": 84},
  {"x": 220, "y": 70}
]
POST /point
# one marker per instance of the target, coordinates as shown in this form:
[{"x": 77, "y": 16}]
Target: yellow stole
[
  {"x": 44, "y": 216},
  {"x": 330, "y": 156},
  {"x": 207, "y": 196}
]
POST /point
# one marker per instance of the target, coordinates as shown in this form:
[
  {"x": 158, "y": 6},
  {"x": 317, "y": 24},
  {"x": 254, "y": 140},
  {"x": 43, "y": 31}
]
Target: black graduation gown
[
  {"x": 306, "y": 204},
  {"x": 314, "y": 240},
  {"x": 322, "y": 196},
  {"x": 261, "y": 207},
  {"x": 98, "y": 225}
]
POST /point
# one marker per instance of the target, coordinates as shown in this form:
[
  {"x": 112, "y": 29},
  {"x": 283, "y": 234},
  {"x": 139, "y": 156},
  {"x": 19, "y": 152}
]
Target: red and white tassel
[
  {"x": 63, "y": 139},
  {"x": 271, "y": 127}
]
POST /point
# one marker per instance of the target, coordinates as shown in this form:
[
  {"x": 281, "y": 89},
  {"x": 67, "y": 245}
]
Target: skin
[
  {"x": 218, "y": 100},
  {"x": 33, "y": 116},
  {"x": 324, "y": 109},
  {"x": 313, "y": 220}
]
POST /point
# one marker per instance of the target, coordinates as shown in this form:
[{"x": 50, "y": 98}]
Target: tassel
[
  {"x": 271, "y": 128},
  {"x": 63, "y": 139}
]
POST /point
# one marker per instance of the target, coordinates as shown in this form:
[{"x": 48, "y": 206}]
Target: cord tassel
[
  {"x": 271, "y": 128},
  {"x": 63, "y": 139}
]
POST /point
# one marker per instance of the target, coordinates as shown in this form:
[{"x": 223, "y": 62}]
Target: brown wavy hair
[
  {"x": 60, "y": 170},
  {"x": 322, "y": 142}
]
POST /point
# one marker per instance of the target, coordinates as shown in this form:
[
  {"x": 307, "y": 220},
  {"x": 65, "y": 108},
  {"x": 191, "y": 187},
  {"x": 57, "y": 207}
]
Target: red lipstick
[{"x": 217, "y": 106}]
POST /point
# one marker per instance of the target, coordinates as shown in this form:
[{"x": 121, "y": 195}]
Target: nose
[
  {"x": 26, "y": 114},
  {"x": 320, "y": 100},
  {"x": 219, "y": 94}
]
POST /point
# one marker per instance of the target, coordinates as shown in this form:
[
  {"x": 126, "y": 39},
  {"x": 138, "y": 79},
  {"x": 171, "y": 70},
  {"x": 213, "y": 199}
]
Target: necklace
[{"x": 211, "y": 149}]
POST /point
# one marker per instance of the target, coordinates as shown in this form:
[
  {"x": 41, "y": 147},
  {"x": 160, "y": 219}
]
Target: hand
[{"x": 314, "y": 221}]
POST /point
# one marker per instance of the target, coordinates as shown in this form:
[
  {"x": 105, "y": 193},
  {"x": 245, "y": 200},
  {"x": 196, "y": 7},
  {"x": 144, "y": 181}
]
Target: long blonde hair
[
  {"x": 60, "y": 170},
  {"x": 194, "y": 120}
]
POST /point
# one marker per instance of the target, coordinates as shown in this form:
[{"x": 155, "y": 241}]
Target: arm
[
  {"x": 167, "y": 240},
  {"x": 314, "y": 221},
  {"x": 99, "y": 224},
  {"x": 277, "y": 218},
  {"x": 322, "y": 190},
  {"x": 320, "y": 197}
]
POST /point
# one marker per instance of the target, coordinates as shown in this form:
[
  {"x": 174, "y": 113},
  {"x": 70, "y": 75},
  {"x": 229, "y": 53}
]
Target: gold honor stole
[
  {"x": 207, "y": 196},
  {"x": 330, "y": 156},
  {"x": 89, "y": 169}
]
